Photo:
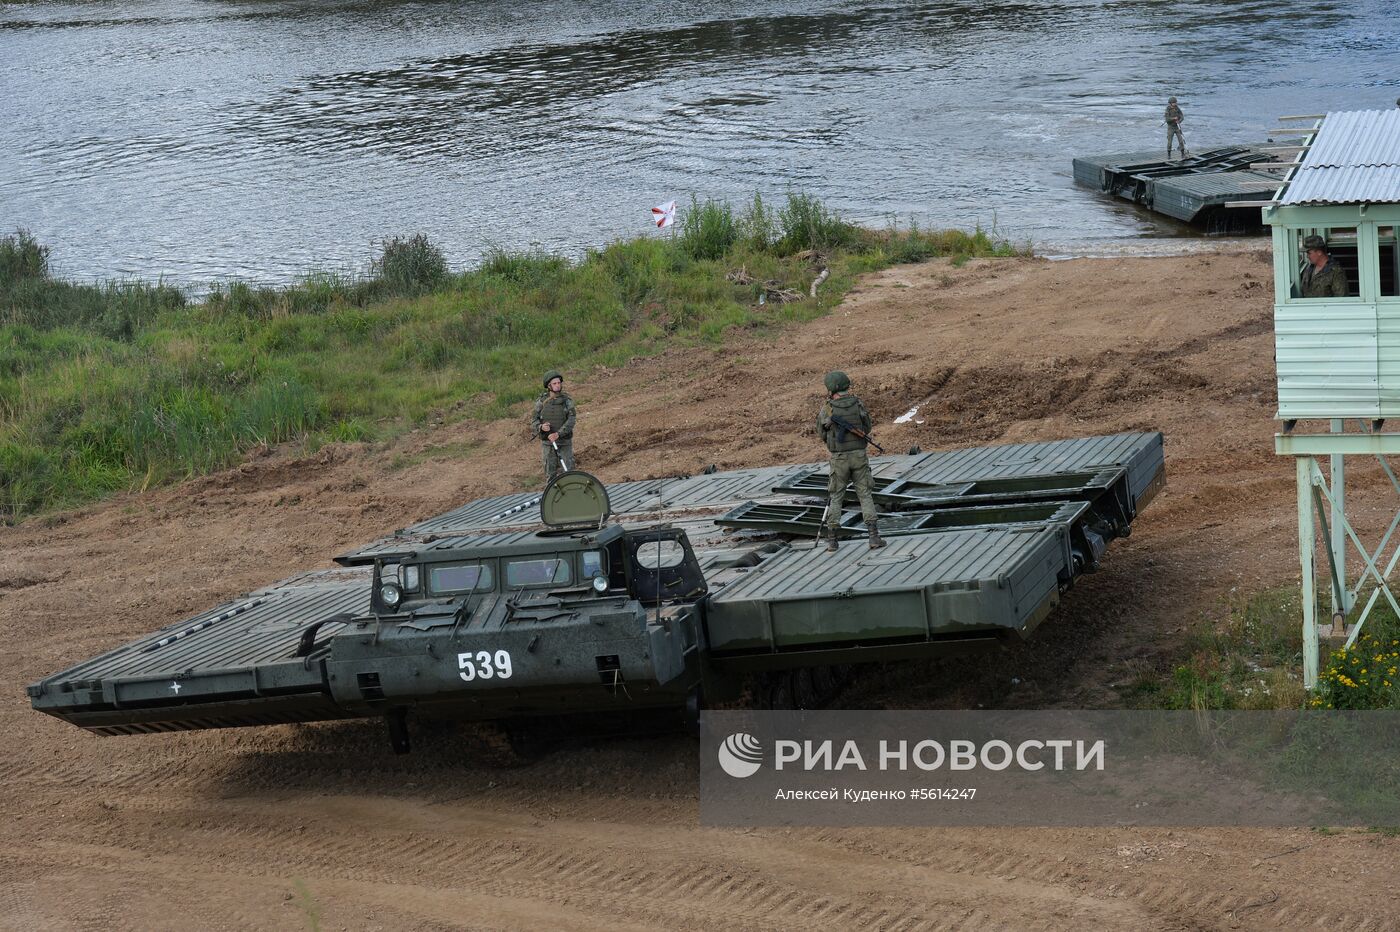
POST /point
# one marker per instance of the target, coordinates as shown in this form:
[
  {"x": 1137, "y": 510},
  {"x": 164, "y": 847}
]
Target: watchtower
[{"x": 1338, "y": 356}]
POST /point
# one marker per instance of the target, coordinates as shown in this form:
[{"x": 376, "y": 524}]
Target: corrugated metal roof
[
  {"x": 1353, "y": 159},
  {"x": 1356, "y": 137}
]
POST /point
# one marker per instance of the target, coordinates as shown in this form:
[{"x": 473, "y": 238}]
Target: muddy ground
[{"x": 301, "y": 826}]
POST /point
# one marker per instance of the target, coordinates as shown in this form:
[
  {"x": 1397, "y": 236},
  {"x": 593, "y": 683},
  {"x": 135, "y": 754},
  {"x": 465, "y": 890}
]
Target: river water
[{"x": 264, "y": 139}]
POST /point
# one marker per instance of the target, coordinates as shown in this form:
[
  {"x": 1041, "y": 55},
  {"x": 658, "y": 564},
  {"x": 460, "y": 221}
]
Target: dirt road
[{"x": 302, "y": 826}]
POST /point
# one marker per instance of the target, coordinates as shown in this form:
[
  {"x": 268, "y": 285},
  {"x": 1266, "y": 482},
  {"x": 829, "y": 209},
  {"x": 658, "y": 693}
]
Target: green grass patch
[
  {"x": 1253, "y": 659},
  {"x": 123, "y": 385}
]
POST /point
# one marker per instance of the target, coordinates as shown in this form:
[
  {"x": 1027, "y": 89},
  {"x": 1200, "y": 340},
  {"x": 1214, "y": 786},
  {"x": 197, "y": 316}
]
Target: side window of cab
[{"x": 591, "y": 563}]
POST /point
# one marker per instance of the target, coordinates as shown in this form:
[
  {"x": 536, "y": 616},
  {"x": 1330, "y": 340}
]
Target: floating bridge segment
[{"x": 1207, "y": 188}]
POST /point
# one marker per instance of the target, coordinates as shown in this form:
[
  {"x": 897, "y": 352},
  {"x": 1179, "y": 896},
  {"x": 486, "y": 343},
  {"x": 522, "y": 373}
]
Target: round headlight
[
  {"x": 390, "y": 594},
  {"x": 600, "y": 584}
]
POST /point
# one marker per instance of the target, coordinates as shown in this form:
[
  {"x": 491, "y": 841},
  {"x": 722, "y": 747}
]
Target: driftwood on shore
[{"x": 774, "y": 290}]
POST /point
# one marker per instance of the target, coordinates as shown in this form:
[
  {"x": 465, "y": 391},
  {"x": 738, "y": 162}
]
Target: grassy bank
[
  {"x": 1254, "y": 660},
  {"x": 125, "y": 385}
]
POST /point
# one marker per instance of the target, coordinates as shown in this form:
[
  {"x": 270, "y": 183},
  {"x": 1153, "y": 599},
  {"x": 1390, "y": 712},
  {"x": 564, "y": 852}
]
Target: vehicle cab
[{"x": 518, "y": 621}]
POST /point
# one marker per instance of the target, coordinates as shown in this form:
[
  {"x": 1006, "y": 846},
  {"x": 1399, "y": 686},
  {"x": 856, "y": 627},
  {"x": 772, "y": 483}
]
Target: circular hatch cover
[{"x": 574, "y": 498}]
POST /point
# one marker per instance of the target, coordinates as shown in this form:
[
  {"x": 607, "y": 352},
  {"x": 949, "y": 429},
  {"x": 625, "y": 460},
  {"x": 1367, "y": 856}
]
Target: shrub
[
  {"x": 638, "y": 267},
  {"x": 708, "y": 230},
  {"x": 758, "y": 228},
  {"x": 807, "y": 224},
  {"x": 535, "y": 267},
  {"x": 21, "y": 257},
  {"x": 409, "y": 266}
]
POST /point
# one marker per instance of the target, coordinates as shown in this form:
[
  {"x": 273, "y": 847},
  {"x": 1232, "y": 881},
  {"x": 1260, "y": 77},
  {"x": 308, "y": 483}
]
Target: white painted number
[{"x": 484, "y": 665}]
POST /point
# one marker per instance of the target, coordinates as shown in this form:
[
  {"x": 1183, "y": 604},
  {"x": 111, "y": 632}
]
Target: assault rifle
[{"x": 850, "y": 429}]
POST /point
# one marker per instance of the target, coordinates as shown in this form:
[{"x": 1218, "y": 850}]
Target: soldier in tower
[{"x": 1323, "y": 277}]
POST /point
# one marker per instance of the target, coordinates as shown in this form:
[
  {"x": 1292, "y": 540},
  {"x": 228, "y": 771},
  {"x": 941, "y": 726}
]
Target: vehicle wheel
[
  {"x": 780, "y": 692},
  {"x": 804, "y": 690},
  {"x": 501, "y": 746},
  {"x": 823, "y": 684}
]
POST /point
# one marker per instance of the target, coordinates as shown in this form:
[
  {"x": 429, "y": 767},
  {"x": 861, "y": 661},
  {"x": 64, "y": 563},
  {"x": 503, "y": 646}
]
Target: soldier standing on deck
[
  {"x": 849, "y": 463},
  {"x": 1173, "y": 119},
  {"x": 553, "y": 423}
]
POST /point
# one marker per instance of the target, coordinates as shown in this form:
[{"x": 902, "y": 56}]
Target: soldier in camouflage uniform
[
  {"x": 553, "y": 423},
  {"x": 849, "y": 464},
  {"x": 1322, "y": 278},
  {"x": 1173, "y": 119}
]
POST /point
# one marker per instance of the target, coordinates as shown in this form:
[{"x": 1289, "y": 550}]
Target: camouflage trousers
[
  {"x": 1174, "y": 131},
  {"x": 557, "y": 462},
  {"x": 852, "y": 466}
]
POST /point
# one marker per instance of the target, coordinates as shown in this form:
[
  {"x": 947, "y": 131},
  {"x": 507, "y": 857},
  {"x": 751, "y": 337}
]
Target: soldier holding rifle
[
  {"x": 553, "y": 423},
  {"x": 844, "y": 425},
  {"x": 1173, "y": 118}
]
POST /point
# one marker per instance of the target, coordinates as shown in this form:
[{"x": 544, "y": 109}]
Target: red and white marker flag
[{"x": 664, "y": 215}]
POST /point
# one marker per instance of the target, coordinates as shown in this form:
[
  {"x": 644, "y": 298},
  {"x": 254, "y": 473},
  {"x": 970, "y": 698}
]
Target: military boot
[
  {"x": 831, "y": 543},
  {"x": 875, "y": 542}
]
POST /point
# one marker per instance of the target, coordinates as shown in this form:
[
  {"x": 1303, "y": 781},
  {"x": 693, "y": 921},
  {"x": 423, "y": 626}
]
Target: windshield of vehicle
[
  {"x": 460, "y": 577},
  {"x": 551, "y": 571}
]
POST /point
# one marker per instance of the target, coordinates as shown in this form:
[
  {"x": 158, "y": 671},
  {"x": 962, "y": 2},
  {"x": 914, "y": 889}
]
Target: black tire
[
  {"x": 501, "y": 746},
  {"x": 804, "y": 689},
  {"x": 780, "y": 692}
]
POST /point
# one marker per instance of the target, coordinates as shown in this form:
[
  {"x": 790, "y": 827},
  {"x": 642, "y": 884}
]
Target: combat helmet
[
  {"x": 551, "y": 375},
  {"x": 837, "y": 381}
]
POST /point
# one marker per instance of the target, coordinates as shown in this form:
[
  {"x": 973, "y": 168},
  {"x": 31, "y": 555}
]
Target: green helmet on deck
[{"x": 837, "y": 381}]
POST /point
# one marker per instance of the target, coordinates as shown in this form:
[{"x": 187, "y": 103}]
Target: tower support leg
[
  {"x": 1338, "y": 543},
  {"x": 1306, "y": 544}
]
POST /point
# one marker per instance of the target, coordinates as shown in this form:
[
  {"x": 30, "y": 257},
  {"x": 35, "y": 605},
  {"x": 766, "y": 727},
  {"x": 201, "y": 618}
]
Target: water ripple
[{"x": 264, "y": 137}]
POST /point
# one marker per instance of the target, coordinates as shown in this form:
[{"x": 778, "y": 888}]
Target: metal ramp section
[
  {"x": 1106, "y": 491},
  {"x": 921, "y": 595},
  {"x": 486, "y": 518},
  {"x": 1141, "y": 454},
  {"x": 236, "y": 664},
  {"x": 636, "y": 498},
  {"x": 400, "y": 546},
  {"x": 1187, "y": 197},
  {"x": 799, "y": 520},
  {"x": 1089, "y": 532},
  {"x": 1180, "y": 188}
]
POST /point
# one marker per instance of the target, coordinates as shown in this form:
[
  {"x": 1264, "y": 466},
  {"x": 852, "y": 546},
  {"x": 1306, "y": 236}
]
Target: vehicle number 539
[{"x": 484, "y": 665}]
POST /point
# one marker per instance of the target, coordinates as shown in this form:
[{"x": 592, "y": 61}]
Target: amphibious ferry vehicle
[{"x": 670, "y": 593}]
